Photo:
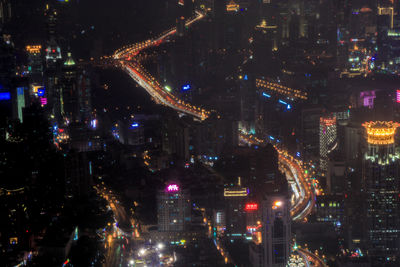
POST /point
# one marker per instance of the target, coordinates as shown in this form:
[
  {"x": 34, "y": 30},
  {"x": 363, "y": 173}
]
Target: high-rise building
[
  {"x": 218, "y": 15},
  {"x": 253, "y": 218},
  {"x": 53, "y": 53},
  {"x": 336, "y": 174},
  {"x": 276, "y": 234},
  {"x": 310, "y": 120},
  {"x": 19, "y": 104},
  {"x": 78, "y": 175},
  {"x": 35, "y": 62},
  {"x": 327, "y": 139},
  {"x": 235, "y": 198},
  {"x": 53, "y": 82},
  {"x": 180, "y": 26},
  {"x": 175, "y": 139},
  {"x": 173, "y": 209},
  {"x": 248, "y": 96},
  {"x": 382, "y": 186},
  {"x": 85, "y": 96},
  {"x": 51, "y": 22},
  {"x": 69, "y": 95},
  {"x": 265, "y": 43},
  {"x": 7, "y": 73},
  {"x": 5, "y": 11}
]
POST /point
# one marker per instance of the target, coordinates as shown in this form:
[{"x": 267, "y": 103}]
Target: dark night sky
[{"x": 125, "y": 20}]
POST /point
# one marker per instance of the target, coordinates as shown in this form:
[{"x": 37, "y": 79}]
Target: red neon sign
[
  {"x": 251, "y": 206},
  {"x": 398, "y": 96}
]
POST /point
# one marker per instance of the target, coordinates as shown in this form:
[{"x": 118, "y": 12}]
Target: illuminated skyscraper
[
  {"x": 53, "y": 64},
  {"x": 20, "y": 103},
  {"x": 7, "y": 73},
  {"x": 173, "y": 209},
  {"x": 265, "y": 44},
  {"x": 235, "y": 198},
  {"x": 276, "y": 234},
  {"x": 327, "y": 139},
  {"x": 35, "y": 62},
  {"x": 69, "y": 96},
  {"x": 382, "y": 186}
]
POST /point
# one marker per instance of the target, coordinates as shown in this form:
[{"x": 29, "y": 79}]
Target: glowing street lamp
[
  {"x": 160, "y": 246},
  {"x": 142, "y": 251},
  {"x": 277, "y": 204}
]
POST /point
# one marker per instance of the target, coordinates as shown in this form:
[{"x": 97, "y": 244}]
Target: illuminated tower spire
[{"x": 380, "y": 139}]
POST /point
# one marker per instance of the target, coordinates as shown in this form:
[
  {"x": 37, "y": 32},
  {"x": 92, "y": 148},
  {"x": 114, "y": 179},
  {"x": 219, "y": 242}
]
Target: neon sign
[
  {"x": 251, "y": 206},
  {"x": 266, "y": 95},
  {"x": 134, "y": 125},
  {"x": 5, "y": 96},
  {"x": 172, "y": 188},
  {"x": 40, "y": 92},
  {"x": 186, "y": 87},
  {"x": 43, "y": 101},
  {"x": 398, "y": 96}
]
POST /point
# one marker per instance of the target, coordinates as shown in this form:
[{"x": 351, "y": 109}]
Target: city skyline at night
[{"x": 200, "y": 133}]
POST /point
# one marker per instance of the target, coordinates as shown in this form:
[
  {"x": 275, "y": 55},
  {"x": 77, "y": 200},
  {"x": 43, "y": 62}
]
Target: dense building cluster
[{"x": 200, "y": 133}]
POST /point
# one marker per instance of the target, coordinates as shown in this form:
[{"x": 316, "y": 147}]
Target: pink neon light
[
  {"x": 43, "y": 101},
  {"x": 172, "y": 188},
  {"x": 398, "y": 96}
]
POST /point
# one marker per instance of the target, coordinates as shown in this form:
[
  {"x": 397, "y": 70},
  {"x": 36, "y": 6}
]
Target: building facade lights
[
  {"x": 33, "y": 49},
  {"x": 380, "y": 132},
  {"x": 327, "y": 139},
  {"x": 235, "y": 192},
  {"x": 280, "y": 89}
]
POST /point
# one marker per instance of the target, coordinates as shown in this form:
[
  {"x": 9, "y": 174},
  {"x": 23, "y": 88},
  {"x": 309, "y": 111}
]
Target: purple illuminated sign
[
  {"x": 172, "y": 188},
  {"x": 43, "y": 101}
]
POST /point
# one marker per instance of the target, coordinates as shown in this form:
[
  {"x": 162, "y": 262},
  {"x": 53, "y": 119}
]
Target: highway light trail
[
  {"x": 304, "y": 194},
  {"x": 126, "y": 59}
]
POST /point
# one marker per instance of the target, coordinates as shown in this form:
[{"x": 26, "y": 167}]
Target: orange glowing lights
[
  {"x": 277, "y": 204},
  {"x": 33, "y": 49},
  {"x": 232, "y": 6},
  {"x": 381, "y": 132},
  {"x": 281, "y": 89}
]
